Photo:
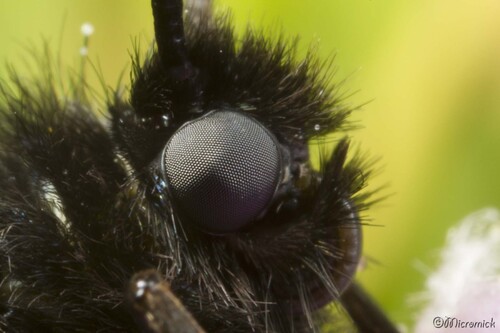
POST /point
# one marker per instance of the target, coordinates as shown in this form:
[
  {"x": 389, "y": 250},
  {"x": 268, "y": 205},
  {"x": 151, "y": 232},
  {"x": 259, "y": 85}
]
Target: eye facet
[{"x": 222, "y": 170}]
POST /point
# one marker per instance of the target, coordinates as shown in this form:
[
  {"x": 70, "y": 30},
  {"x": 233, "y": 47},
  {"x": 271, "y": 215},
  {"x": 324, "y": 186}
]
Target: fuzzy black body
[{"x": 82, "y": 207}]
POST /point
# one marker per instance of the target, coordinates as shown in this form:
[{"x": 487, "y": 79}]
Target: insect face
[{"x": 199, "y": 200}]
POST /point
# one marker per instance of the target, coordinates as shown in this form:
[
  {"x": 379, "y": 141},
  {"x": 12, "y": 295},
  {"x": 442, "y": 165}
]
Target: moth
[{"x": 193, "y": 206}]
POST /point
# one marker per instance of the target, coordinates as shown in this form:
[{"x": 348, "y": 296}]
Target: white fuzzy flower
[{"x": 465, "y": 289}]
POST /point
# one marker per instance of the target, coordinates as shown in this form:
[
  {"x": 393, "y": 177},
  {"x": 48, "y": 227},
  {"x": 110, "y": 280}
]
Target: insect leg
[{"x": 366, "y": 315}]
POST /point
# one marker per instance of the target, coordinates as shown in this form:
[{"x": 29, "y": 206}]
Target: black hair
[{"x": 91, "y": 238}]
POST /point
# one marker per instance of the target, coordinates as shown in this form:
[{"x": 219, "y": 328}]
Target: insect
[{"x": 196, "y": 208}]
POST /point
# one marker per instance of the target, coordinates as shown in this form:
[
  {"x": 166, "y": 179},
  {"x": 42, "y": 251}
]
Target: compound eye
[{"x": 222, "y": 170}]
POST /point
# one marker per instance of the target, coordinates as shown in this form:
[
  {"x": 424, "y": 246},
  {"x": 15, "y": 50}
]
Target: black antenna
[
  {"x": 169, "y": 31},
  {"x": 171, "y": 42}
]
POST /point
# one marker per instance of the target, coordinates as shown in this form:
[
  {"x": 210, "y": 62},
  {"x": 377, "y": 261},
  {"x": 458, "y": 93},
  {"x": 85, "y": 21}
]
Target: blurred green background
[{"x": 429, "y": 69}]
